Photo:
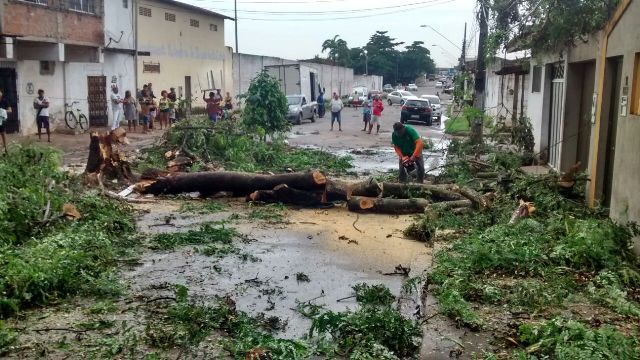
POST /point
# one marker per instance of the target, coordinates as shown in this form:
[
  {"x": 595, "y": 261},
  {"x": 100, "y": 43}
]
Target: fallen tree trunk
[
  {"x": 479, "y": 201},
  {"x": 449, "y": 205},
  {"x": 343, "y": 190},
  {"x": 105, "y": 159},
  {"x": 240, "y": 184},
  {"x": 286, "y": 195},
  {"x": 407, "y": 191},
  {"x": 387, "y": 206}
]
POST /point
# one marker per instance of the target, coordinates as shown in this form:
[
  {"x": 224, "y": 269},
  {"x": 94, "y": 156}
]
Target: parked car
[
  {"x": 412, "y": 87},
  {"x": 387, "y": 88},
  {"x": 448, "y": 90},
  {"x": 416, "y": 108},
  {"x": 398, "y": 97},
  {"x": 436, "y": 106},
  {"x": 439, "y": 84},
  {"x": 373, "y": 93},
  {"x": 300, "y": 108},
  {"x": 358, "y": 96}
]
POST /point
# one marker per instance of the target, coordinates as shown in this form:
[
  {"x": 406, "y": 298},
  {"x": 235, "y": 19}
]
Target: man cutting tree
[{"x": 408, "y": 145}]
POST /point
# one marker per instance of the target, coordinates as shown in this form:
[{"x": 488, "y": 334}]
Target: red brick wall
[{"x": 32, "y": 20}]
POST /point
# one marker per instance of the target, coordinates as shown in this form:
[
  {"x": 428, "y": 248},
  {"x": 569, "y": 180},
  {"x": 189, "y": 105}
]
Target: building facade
[
  {"x": 54, "y": 45},
  {"x": 182, "y": 46}
]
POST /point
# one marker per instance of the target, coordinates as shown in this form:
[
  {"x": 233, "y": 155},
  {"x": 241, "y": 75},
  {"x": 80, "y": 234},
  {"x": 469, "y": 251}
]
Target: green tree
[
  {"x": 383, "y": 56},
  {"x": 414, "y": 61},
  {"x": 338, "y": 50},
  {"x": 544, "y": 25},
  {"x": 266, "y": 106}
]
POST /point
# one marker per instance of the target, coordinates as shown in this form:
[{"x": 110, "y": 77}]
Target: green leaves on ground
[
  {"x": 233, "y": 147},
  {"x": 213, "y": 233}
]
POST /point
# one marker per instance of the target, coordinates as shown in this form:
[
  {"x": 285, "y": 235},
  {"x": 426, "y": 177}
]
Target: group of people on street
[{"x": 215, "y": 107}]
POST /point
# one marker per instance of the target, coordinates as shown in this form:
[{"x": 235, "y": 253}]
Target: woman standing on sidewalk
[{"x": 130, "y": 110}]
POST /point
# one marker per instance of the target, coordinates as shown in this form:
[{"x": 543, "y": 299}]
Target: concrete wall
[
  {"x": 625, "y": 198},
  {"x": 500, "y": 92},
  {"x": 250, "y": 66},
  {"x": 334, "y": 78},
  {"x": 183, "y": 50},
  {"x": 29, "y": 78},
  {"x": 372, "y": 82}
]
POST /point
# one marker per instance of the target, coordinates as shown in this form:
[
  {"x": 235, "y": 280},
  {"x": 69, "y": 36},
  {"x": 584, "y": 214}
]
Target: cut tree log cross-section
[
  {"x": 387, "y": 206},
  {"x": 240, "y": 184}
]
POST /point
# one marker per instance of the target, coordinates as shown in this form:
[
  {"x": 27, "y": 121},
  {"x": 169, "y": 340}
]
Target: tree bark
[
  {"x": 479, "y": 201},
  {"x": 286, "y": 195},
  {"x": 449, "y": 205},
  {"x": 240, "y": 184},
  {"x": 387, "y": 206},
  {"x": 343, "y": 190},
  {"x": 406, "y": 191},
  {"x": 104, "y": 159}
]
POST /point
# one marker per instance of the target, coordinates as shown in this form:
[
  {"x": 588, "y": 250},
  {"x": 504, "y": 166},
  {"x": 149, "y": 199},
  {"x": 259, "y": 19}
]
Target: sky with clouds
[{"x": 295, "y": 29}]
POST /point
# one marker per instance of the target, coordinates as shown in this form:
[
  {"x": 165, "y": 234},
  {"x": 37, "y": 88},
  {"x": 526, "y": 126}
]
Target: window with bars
[
  {"x": 39, "y": 2},
  {"x": 536, "y": 78},
  {"x": 150, "y": 67},
  {"x": 213, "y": 27},
  {"x": 194, "y": 23},
  {"x": 557, "y": 71},
  {"x": 87, "y": 6},
  {"x": 144, "y": 11},
  {"x": 170, "y": 17}
]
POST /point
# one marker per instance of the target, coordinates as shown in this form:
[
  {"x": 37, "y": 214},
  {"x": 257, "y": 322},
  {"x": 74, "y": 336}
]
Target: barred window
[
  {"x": 536, "y": 78},
  {"x": 170, "y": 17},
  {"x": 213, "y": 27},
  {"x": 195, "y": 23},
  {"x": 150, "y": 67},
  {"x": 144, "y": 11},
  {"x": 39, "y": 2},
  {"x": 87, "y": 6}
]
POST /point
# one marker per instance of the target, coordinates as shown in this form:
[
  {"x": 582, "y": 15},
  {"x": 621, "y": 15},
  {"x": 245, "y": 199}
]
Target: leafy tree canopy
[
  {"x": 266, "y": 105},
  {"x": 544, "y": 25}
]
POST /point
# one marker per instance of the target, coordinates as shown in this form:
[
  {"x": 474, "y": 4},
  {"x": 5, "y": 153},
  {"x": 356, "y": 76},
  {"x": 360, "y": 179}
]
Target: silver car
[
  {"x": 436, "y": 106},
  {"x": 398, "y": 97},
  {"x": 300, "y": 108}
]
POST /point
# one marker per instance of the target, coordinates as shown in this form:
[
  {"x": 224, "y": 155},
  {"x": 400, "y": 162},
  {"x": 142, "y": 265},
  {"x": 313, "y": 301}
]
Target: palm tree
[{"x": 338, "y": 50}]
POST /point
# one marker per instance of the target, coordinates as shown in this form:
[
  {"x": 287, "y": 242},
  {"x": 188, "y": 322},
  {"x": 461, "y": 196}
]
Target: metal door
[
  {"x": 10, "y": 98},
  {"x": 557, "y": 114},
  {"x": 97, "y": 100}
]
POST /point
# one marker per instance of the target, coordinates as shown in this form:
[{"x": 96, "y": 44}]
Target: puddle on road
[{"x": 323, "y": 244}]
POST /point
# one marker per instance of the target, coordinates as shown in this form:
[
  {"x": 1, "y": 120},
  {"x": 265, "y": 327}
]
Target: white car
[
  {"x": 439, "y": 84},
  {"x": 436, "y": 106},
  {"x": 412, "y": 87},
  {"x": 399, "y": 97}
]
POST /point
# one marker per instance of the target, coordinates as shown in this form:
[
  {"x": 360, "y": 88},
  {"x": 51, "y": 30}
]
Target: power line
[
  {"x": 345, "y": 17},
  {"x": 330, "y": 12}
]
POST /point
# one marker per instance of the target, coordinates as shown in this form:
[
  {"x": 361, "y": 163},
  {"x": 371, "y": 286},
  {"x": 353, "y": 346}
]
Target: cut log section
[
  {"x": 387, "y": 206},
  {"x": 105, "y": 160},
  {"x": 407, "y": 191},
  {"x": 343, "y": 190},
  {"x": 287, "y": 195},
  {"x": 240, "y": 184}
]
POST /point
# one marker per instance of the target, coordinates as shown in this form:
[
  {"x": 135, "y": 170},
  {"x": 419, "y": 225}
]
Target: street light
[
  {"x": 444, "y": 37},
  {"x": 366, "y": 63}
]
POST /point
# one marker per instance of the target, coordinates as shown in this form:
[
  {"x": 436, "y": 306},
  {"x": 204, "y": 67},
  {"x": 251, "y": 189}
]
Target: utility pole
[
  {"x": 479, "y": 81},
  {"x": 463, "y": 57},
  {"x": 235, "y": 9}
]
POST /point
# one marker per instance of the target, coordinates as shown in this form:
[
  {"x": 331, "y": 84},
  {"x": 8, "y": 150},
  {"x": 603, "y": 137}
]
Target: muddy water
[{"x": 323, "y": 244}]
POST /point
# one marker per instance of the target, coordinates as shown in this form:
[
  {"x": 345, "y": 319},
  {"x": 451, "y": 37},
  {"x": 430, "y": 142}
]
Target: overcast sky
[{"x": 303, "y": 39}]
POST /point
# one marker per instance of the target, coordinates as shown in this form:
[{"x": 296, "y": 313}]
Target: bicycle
[{"x": 72, "y": 120}]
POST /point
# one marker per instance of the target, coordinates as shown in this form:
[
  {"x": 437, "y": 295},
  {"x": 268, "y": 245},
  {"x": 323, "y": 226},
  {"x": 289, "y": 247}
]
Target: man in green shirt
[{"x": 408, "y": 145}]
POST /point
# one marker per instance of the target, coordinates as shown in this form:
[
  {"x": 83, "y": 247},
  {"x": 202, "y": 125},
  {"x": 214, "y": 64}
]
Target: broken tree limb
[
  {"x": 105, "y": 160},
  {"x": 240, "y": 184},
  {"x": 286, "y": 195},
  {"x": 480, "y": 201},
  {"x": 449, "y": 205},
  {"x": 387, "y": 206},
  {"x": 407, "y": 191},
  {"x": 342, "y": 190}
]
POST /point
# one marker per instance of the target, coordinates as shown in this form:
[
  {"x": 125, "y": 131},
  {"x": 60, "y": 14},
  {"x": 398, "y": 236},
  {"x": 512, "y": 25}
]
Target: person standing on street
[
  {"x": 228, "y": 101},
  {"x": 5, "y": 110},
  {"x": 116, "y": 107},
  {"x": 378, "y": 106},
  {"x": 336, "y": 109},
  {"x": 366, "y": 112},
  {"x": 130, "y": 110},
  {"x": 408, "y": 145},
  {"x": 173, "y": 98},
  {"x": 165, "y": 108},
  {"x": 320, "y": 101},
  {"x": 41, "y": 104},
  {"x": 213, "y": 106}
]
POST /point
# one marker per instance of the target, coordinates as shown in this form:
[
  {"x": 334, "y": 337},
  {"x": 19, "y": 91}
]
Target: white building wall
[
  {"x": 28, "y": 82},
  {"x": 372, "y": 82}
]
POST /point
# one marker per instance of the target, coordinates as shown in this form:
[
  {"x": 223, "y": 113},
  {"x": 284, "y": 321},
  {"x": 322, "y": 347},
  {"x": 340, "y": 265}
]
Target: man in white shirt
[
  {"x": 116, "y": 107},
  {"x": 336, "y": 108},
  {"x": 41, "y": 104}
]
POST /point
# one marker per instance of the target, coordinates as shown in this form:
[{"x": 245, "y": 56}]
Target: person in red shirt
[{"x": 377, "y": 114}]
